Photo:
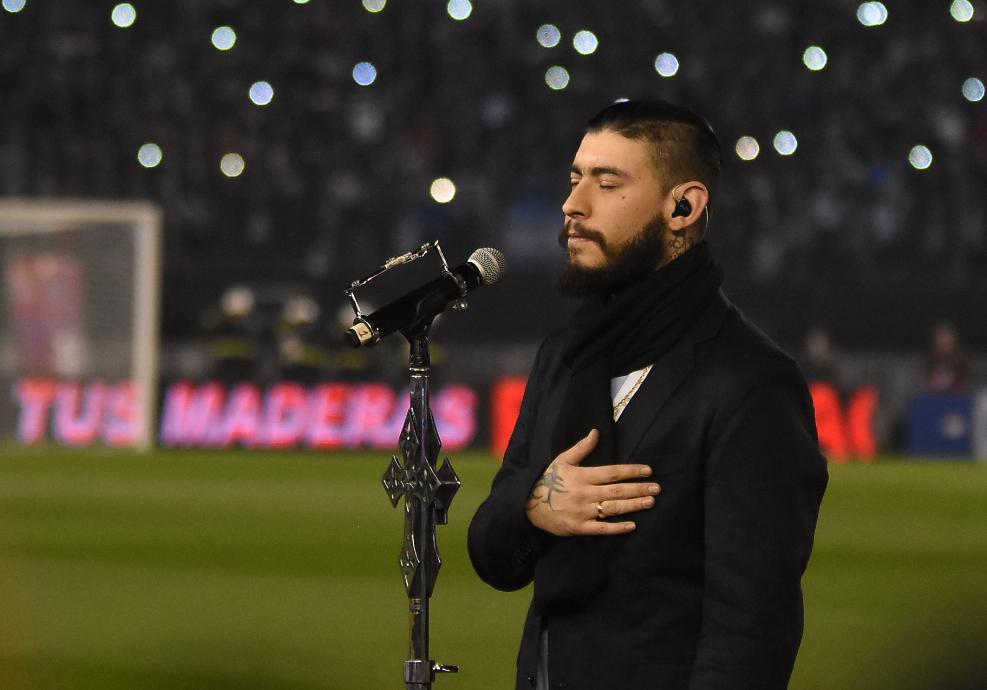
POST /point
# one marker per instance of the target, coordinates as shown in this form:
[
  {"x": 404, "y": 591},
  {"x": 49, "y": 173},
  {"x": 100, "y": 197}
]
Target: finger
[
  {"x": 610, "y": 474},
  {"x": 615, "y": 492},
  {"x": 599, "y": 528},
  {"x": 627, "y": 505},
  {"x": 583, "y": 447}
]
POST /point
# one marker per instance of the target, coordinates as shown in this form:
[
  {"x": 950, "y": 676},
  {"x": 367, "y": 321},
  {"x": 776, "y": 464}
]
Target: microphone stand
[{"x": 427, "y": 493}]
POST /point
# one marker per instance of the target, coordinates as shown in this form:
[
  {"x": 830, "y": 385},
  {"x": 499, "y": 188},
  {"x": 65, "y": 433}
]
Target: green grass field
[{"x": 278, "y": 571}]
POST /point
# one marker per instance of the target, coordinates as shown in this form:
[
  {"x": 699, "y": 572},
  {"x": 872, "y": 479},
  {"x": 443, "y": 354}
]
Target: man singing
[{"x": 662, "y": 483}]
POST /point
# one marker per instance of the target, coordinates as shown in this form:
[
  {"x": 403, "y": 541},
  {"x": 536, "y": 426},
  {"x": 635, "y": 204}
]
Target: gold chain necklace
[{"x": 619, "y": 407}]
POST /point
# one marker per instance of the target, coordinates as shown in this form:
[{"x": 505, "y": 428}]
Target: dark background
[{"x": 844, "y": 233}]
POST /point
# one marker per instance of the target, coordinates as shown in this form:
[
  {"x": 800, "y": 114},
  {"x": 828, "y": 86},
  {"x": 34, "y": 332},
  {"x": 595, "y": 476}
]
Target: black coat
[{"x": 705, "y": 594}]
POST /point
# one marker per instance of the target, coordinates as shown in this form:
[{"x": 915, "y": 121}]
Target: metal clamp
[
  {"x": 394, "y": 261},
  {"x": 420, "y": 672}
]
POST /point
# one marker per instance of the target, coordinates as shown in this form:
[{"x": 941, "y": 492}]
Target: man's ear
[{"x": 686, "y": 205}]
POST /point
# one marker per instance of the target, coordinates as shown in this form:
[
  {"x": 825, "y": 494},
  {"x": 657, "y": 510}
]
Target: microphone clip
[{"x": 400, "y": 260}]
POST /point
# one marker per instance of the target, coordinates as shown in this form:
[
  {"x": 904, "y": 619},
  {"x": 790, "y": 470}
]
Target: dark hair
[{"x": 684, "y": 144}]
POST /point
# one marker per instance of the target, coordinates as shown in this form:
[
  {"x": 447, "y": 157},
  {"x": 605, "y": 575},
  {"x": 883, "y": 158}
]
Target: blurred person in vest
[
  {"x": 301, "y": 356},
  {"x": 234, "y": 337}
]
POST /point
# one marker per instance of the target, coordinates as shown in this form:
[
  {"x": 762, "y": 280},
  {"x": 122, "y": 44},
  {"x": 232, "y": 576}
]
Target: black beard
[{"x": 626, "y": 265}]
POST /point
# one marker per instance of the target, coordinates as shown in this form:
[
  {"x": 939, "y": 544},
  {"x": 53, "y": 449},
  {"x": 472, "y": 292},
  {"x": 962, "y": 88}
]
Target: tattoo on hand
[
  {"x": 548, "y": 484},
  {"x": 680, "y": 243}
]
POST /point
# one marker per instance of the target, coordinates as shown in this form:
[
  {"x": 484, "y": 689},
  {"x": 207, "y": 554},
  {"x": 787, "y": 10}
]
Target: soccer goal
[{"x": 79, "y": 311}]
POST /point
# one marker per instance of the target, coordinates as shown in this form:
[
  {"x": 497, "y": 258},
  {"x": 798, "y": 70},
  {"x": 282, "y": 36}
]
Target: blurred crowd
[{"x": 337, "y": 175}]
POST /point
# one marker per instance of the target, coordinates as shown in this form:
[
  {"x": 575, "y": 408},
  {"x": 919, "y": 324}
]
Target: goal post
[{"x": 79, "y": 314}]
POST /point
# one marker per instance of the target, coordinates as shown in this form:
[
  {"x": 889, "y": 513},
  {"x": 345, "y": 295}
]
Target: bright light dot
[
  {"x": 301, "y": 2},
  {"x": 920, "y": 157},
  {"x": 14, "y": 6},
  {"x": 872, "y": 13},
  {"x": 459, "y": 9},
  {"x": 785, "y": 142},
  {"x": 747, "y": 148},
  {"x": 232, "y": 164},
  {"x": 374, "y": 6},
  {"x": 149, "y": 155},
  {"x": 667, "y": 65},
  {"x": 261, "y": 93},
  {"x": 548, "y": 35},
  {"x": 364, "y": 73},
  {"x": 557, "y": 77},
  {"x": 442, "y": 190},
  {"x": 815, "y": 58},
  {"x": 585, "y": 42},
  {"x": 223, "y": 38},
  {"x": 961, "y": 10},
  {"x": 622, "y": 100},
  {"x": 973, "y": 89},
  {"x": 123, "y": 15}
]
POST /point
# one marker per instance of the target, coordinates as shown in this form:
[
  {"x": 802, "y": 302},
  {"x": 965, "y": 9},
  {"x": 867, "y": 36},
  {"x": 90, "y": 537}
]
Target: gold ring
[{"x": 599, "y": 511}]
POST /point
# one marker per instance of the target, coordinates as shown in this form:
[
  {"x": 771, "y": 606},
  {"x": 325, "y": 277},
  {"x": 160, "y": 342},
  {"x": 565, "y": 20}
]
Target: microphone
[{"x": 424, "y": 303}]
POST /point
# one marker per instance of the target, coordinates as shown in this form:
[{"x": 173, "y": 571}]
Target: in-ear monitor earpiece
[{"x": 682, "y": 206}]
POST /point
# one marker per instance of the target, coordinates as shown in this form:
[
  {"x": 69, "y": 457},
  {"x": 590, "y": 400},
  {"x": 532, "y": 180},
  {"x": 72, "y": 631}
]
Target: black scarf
[{"x": 608, "y": 337}]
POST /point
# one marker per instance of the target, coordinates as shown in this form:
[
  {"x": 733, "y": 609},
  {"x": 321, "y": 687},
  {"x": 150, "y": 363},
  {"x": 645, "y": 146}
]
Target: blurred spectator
[
  {"x": 820, "y": 362},
  {"x": 945, "y": 362},
  {"x": 234, "y": 335},
  {"x": 301, "y": 356}
]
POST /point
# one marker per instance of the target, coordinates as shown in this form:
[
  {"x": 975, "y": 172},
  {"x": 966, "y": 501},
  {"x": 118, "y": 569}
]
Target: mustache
[{"x": 581, "y": 231}]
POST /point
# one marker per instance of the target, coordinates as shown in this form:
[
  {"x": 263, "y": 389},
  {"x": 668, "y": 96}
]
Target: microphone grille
[{"x": 490, "y": 263}]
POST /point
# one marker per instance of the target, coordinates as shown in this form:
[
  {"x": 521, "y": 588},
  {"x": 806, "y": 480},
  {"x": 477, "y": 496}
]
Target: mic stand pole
[{"x": 427, "y": 494}]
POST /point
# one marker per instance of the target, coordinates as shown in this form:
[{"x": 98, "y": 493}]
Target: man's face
[{"x": 614, "y": 226}]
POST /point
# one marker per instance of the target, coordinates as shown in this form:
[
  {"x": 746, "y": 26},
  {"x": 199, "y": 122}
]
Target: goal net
[{"x": 79, "y": 304}]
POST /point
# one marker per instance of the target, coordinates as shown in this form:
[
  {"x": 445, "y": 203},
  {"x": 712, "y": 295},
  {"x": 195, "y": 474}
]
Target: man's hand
[{"x": 564, "y": 500}]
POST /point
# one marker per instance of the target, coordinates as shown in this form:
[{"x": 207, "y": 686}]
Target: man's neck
[{"x": 678, "y": 243}]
